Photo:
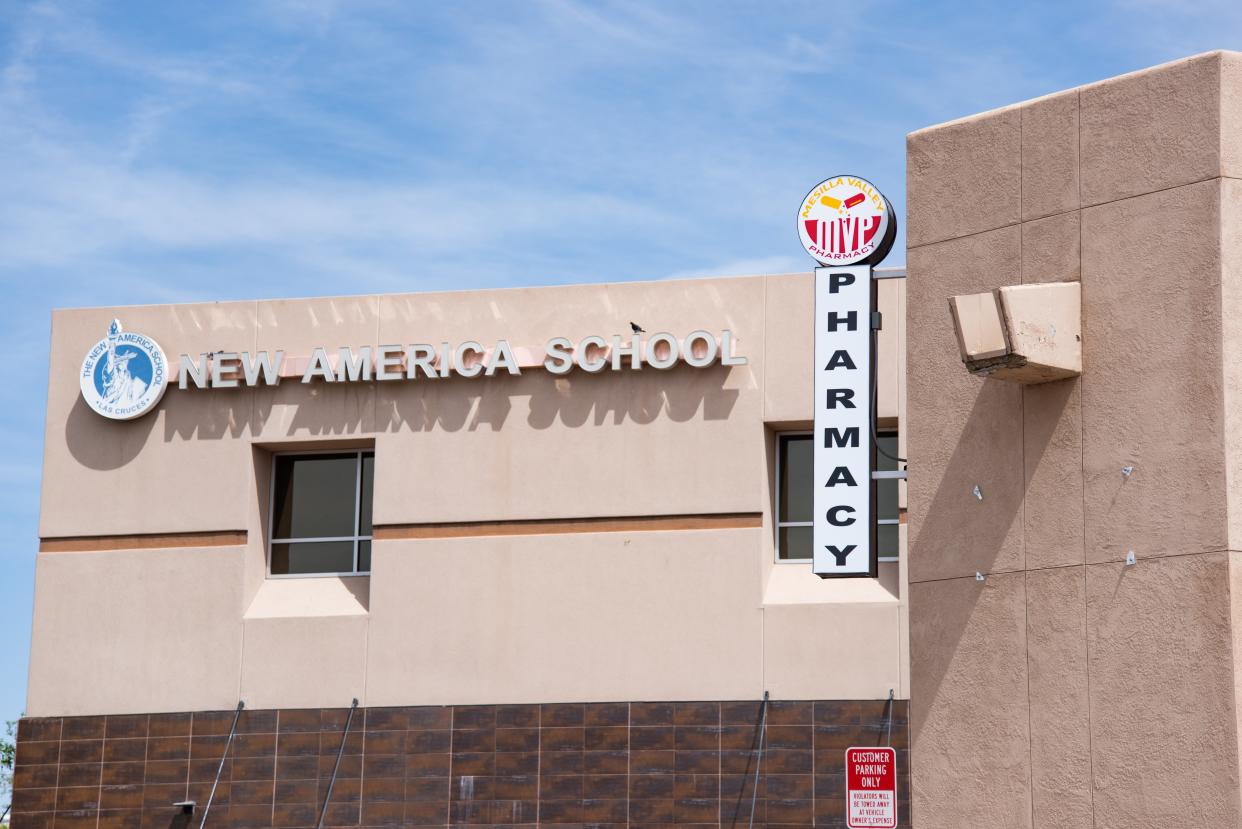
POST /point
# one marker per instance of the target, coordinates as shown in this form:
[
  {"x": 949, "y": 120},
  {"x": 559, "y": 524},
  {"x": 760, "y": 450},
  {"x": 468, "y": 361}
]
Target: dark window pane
[
  {"x": 364, "y": 502},
  {"x": 314, "y": 496},
  {"x": 313, "y": 557},
  {"x": 886, "y": 488},
  {"x": 796, "y": 496},
  {"x": 886, "y": 498},
  {"x": 796, "y": 478},
  {"x": 888, "y": 443},
  {"x": 364, "y": 556},
  {"x": 795, "y": 543},
  {"x": 887, "y": 541}
]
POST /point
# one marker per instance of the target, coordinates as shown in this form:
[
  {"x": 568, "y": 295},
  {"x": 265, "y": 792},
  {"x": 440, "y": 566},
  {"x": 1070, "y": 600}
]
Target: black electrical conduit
[
  {"x": 875, "y": 394},
  {"x": 220, "y": 769},
  {"x": 336, "y": 768}
]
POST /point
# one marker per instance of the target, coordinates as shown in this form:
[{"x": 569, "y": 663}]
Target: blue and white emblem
[{"x": 124, "y": 375}]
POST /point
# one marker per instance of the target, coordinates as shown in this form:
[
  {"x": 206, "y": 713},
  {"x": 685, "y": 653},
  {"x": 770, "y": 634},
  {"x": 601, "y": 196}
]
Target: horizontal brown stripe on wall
[
  {"x": 457, "y": 529},
  {"x": 155, "y": 541},
  {"x": 557, "y": 526}
]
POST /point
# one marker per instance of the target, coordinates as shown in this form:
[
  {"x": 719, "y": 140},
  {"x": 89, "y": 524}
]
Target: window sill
[
  {"x": 306, "y": 597},
  {"x": 790, "y": 584}
]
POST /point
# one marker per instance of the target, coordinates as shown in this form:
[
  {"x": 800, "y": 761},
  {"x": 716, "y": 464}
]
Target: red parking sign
[{"x": 871, "y": 788}]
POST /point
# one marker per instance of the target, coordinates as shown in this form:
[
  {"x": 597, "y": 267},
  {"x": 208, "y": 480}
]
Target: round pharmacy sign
[{"x": 845, "y": 220}]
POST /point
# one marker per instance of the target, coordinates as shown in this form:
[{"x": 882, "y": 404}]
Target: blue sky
[{"x": 169, "y": 152}]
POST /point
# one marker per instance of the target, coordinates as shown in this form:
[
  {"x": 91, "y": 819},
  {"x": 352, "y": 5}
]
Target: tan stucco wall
[
  {"x": 684, "y": 614},
  {"x": 1067, "y": 689},
  {"x": 128, "y": 631}
]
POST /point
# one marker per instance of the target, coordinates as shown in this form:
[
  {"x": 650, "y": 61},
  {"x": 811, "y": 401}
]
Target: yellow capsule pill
[{"x": 829, "y": 201}]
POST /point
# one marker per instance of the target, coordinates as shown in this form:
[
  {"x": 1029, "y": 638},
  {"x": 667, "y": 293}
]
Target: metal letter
[
  {"x": 193, "y": 371},
  {"x": 502, "y": 357},
  {"x": 459, "y": 359},
  {"x": 217, "y": 369},
  {"x": 580, "y": 354},
  {"x": 726, "y": 350},
  {"x": 656, "y": 361},
  {"x": 319, "y": 366},
  {"x": 352, "y": 369},
  {"x": 709, "y": 345},
  {"x": 559, "y": 360},
  {"x": 633, "y": 350},
  {"x": 261, "y": 362},
  {"x": 420, "y": 355},
  {"x": 388, "y": 362}
]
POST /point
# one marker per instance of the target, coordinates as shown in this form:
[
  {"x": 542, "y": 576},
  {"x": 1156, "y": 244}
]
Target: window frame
[
  {"x": 356, "y": 538},
  {"x": 778, "y": 524}
]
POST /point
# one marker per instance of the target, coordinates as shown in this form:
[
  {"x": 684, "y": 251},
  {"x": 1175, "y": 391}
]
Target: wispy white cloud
[
  {"x": 746, "y": 267},
  {"x": 18, "y": 70},
  {"x": 76, "y": 209},
  {"x": 88, "y": 199}
]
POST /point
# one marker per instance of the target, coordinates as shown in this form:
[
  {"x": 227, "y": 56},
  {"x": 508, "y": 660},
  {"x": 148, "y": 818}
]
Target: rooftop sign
[
  {"x": 124, "y": 375},
  {"x": 559, "y": 355}
]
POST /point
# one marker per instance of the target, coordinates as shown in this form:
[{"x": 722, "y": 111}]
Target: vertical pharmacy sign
[{"x": 849, "y": 227}]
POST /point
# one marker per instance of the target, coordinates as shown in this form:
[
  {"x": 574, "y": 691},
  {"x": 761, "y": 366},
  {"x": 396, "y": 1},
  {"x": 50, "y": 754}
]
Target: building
[
  {"x": 560, "y": 591},
  {"x": 509, "y": 548},
  {"x": 1069, "y": 689}
]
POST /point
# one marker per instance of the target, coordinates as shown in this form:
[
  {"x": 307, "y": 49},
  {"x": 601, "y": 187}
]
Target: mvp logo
[
  {"x": 846, "y": 221},
  {"x": 845, "y": 235}
]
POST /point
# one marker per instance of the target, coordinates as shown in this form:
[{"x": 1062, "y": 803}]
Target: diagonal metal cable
[
  {"x": 336, "y": 768},
  {"x": 220, "y": 769},
  {"x": 888, "y": 741},
  {"x": 754, "y": 792}
]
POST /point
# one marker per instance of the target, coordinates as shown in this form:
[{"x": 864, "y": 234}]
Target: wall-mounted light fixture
[{"x": 1022, "y": 333}]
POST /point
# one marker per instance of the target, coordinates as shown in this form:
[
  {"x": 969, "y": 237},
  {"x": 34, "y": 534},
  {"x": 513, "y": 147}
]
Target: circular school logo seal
[
  {"x": 124, "y": 375},
  {"x": 845, "y": 220}
]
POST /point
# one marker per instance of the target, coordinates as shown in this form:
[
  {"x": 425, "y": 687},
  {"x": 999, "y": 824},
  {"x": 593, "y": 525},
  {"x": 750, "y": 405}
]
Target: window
[
  {"x": 321, "y": 513},
  {"x": 794, "y": 504},
  {"x": 887, "y": 513}
]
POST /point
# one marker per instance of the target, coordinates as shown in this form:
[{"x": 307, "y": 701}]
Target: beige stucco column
[{"x": 1068, "y": 689}]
